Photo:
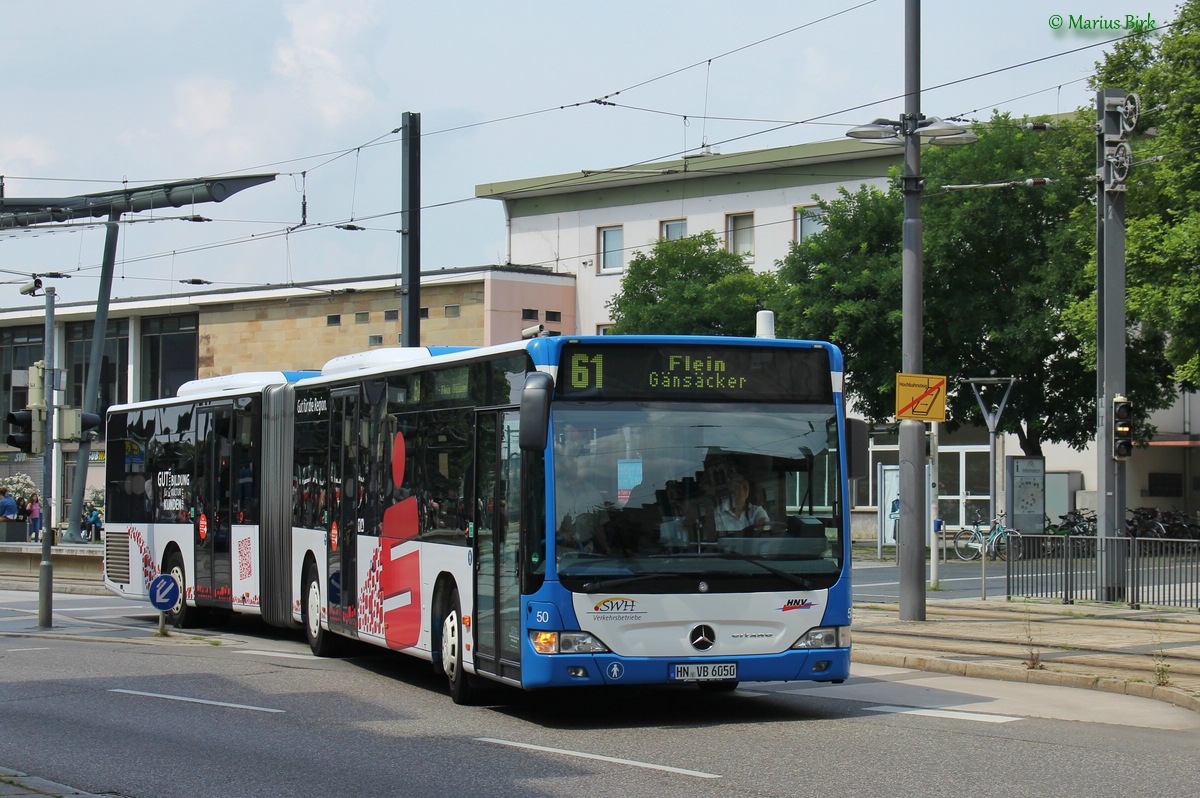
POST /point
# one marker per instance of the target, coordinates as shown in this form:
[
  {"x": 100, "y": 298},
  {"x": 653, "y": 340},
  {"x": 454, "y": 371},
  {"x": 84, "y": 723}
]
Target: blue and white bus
[{"x": 608, "y": 510}]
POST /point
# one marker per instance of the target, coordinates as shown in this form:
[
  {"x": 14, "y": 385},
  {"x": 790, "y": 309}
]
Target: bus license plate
[{"x": 704, "y": 672}]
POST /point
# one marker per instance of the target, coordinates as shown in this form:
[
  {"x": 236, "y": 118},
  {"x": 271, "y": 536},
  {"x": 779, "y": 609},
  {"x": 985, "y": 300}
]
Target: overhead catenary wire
[{"x": 604, "y": 101}]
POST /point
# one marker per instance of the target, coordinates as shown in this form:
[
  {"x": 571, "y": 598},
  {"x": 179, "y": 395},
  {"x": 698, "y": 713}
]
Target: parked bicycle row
[{"x": 1140, "y": 522}]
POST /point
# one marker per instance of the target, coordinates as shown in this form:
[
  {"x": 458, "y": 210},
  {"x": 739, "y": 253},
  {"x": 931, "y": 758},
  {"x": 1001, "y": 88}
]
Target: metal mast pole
[
  {"x": 92, "y": 390},
  {"x": 410, "y": 243},
  {"x": 1111, "y": 117},
  {"x": 46, "y": 567},
  {"x": 913, "y": 511}
]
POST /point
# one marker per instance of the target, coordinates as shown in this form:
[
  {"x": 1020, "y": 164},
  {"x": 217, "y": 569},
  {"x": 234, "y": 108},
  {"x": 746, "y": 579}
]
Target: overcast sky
[{"x": 95, "y": 95}]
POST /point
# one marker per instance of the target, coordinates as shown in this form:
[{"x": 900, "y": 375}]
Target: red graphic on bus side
[{"x": 401, "y": 573}]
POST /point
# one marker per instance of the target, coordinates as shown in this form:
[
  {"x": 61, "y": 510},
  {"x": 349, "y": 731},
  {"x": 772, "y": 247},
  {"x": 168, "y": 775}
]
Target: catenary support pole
[
  {"x": 92, "y": 390},
  {"x": 410, "y": 242},
  {"x": 913, "y": 512},
  {"x": 46, "y": 566}
]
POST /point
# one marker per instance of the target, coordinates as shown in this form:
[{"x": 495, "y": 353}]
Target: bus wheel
[
  {"x": 322, "y": 641},
  {"x": 177, "y": 616},
  {"x": 461, "y": 690}
]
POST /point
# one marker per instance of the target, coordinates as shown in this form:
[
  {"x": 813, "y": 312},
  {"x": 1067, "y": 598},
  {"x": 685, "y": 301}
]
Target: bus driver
[{"x": 736, "y": 512}]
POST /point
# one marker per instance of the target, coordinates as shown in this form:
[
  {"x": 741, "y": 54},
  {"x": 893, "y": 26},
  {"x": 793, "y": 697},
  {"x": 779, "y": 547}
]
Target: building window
[
  {"x": 453, "y": 311},
  {"x": 673, "y": 229},
  {"x": 114, "y": 365},
  {"x": 20, "y": 347},
  {"x": 170, "y": 354},
  {"x": 529, "y": 314},
  {"x": 810, "y": 220},
  {"x": 739, "y": 234},
  {"x": 604, "y": 329},
  {"x": 612, "y": 248},
  {"x": 333, "y": 320},
  {"x": 423, "y": 313},
  {"x": 554, "y": 315},
  {"x": 374, "y": 340},
  {"x": 362, "y": 317},
  {"x": 391, "y": 315}
]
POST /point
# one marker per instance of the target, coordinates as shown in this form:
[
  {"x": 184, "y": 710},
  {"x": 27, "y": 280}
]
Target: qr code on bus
[{"x": 245, "y": 563}]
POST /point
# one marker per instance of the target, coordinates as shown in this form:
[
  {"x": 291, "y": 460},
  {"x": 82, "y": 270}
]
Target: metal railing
[{"x": 1154, "y": 571}]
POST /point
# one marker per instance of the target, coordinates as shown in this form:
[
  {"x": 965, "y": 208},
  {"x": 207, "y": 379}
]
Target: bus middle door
[
  {"x": 345, "y": 491},
  {"x": 497, "y": 524},
  {"x": 212, "y": 498}
]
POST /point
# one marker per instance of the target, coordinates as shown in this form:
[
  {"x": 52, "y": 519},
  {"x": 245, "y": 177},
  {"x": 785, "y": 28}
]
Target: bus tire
[
  {"x": 461, "y": 689},
  {"x": 323, "y": 642},
  {"x": 178, "y": 616}
]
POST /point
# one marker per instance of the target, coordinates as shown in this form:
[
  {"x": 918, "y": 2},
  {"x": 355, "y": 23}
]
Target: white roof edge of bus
[
  {"x": 374, "y": 358},
  {"x": 383, "y": 360},
  {"x": 231, "y": 382}
]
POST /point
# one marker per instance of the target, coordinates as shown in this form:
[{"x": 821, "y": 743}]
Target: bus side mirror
[
  {"x": 535, "y": 411},
  {"x": 858, "y": 454}
]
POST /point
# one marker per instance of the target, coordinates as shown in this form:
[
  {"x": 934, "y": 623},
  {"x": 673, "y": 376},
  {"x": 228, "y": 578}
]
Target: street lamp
[
  {"x": 934, "y": 129},
  {"x": 909, "y": 131}
]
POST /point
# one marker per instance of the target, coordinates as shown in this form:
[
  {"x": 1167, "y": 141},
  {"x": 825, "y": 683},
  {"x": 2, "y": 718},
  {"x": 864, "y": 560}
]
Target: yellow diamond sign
[{"x": 921, "y": 397}]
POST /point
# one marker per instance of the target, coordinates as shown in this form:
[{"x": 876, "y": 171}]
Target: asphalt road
[
  {"x": 879, "y": 580},
  {"x": 246, "y": 710}
]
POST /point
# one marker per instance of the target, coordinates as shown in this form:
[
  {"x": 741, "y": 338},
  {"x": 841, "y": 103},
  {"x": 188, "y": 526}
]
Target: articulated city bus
[{"x": 609, "y": 510}]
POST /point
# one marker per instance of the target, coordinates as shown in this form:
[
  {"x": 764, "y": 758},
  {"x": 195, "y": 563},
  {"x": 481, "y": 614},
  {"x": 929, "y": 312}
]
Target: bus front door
[
  {"x": 497, "y": 521},
  {"x": 212, "y": 499},
  {"x": 344, "y": 495}
]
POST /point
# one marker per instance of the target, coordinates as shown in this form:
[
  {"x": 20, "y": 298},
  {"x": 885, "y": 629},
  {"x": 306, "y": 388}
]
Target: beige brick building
[{"x": 154, "y": 344}]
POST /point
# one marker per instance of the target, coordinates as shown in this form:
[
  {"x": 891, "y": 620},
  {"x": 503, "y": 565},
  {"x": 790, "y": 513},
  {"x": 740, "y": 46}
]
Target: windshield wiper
[
  {"x": 611, "y": 582},
  {"x": 804, "y": 583}
]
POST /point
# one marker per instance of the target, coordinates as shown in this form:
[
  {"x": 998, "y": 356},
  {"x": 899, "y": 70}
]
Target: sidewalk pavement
[{"x": 1146, "y": 653}]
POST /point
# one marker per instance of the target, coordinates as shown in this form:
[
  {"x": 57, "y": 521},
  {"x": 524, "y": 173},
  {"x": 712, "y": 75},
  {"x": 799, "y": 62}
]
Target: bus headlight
[
  {"x": 825, "y": 637},
  {"x": 565, "y": 642}
]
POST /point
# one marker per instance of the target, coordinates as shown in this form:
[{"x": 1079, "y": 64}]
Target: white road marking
[
  {"x": 944, "y": 713},
  {"x": 12, "y": 650},
  {"x": 284, "y": 654},
  {"x": 633, "y": 763},
  {"x": 196, "y": 700}
]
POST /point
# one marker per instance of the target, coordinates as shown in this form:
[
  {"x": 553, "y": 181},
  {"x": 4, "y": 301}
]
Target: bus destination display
[{"x": 694, "y": 373}]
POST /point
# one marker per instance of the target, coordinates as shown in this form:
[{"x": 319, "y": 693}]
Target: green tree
[
  {"x": 843, "y": 285},
  {"x": 1004, "y": 267},
  {"x": 689, "y": 286},
  {"x": 1163, "y": 201}
]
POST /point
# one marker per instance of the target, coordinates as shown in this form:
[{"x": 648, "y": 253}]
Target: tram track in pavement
[{"x": 1115, "y": 649}]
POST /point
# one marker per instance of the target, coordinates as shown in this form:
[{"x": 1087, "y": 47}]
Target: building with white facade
[{"x": 759, "y": 202}]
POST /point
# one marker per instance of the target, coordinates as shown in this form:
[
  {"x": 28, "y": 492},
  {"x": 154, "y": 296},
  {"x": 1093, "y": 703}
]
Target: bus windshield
[{"x": 660, "y": 494}]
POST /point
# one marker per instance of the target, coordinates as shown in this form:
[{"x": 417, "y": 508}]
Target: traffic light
[
  {"x": 28, "y": 433},
  {"x": 72, "y": 424},
  {"x": 88, "y": 422},
  {"x": 1122, "y": 428}
]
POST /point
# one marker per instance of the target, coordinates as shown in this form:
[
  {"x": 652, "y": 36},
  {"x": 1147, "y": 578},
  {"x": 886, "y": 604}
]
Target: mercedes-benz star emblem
[{"x": 703, "y": 637}]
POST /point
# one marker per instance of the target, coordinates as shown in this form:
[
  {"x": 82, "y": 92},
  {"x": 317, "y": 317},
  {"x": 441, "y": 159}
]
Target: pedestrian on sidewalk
[
  {"x": 8, "y": 505},
  {"x": 35, "y": 518}
]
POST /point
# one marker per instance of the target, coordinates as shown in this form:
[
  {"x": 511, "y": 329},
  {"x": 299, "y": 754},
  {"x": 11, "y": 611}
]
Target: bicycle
[
  {"x": 1076, "y": 527},
  {"x": 1144, "y": 523},
  {"x": 998, "y": 541}
]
